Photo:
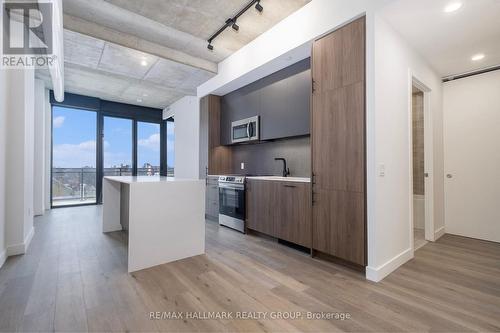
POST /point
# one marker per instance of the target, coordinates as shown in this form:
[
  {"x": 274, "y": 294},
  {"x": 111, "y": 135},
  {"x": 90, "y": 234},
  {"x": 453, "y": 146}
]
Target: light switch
[
  {"x": 381, "y": 170},
  {"x": 242, "y": 166}
]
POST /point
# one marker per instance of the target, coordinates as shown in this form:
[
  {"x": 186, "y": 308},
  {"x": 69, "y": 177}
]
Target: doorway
[
  {"x": 421, "y": 151},
  {"x": 418, "y": 166},
  {"x": 74, "y": 162}
]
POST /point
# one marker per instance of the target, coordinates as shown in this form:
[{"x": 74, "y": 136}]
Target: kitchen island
[{"x": 163, "y": 216}]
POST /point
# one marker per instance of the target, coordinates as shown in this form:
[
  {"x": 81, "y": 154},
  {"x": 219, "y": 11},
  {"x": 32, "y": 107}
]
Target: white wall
[
  {"x": 472, "y": 156},
  {"x": 20, "y": 156},
  {"x": 39, "y": 149},
  {"x": 389, "y": 227},
  {"x": 186, "y": 114},
  {"x": 29, "y": 153},
  {"x": 48, "y": 149},
  {"x": 3, "y": 144}
]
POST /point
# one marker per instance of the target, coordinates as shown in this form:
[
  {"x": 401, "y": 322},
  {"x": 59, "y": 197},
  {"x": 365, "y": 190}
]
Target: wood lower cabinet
[
  {"x": 261, "y": 196},
  {"x": 338, "y": 144},
  {"x": 280, "y": 209},
  {"x": 339, "y": 224},
  {"x": 293, "y": 216}
]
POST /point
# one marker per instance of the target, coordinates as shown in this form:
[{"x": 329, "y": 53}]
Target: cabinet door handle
[{"x": 291, "y": 186}]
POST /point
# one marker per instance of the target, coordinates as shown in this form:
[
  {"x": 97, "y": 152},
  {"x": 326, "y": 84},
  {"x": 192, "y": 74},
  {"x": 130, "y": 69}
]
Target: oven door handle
[
  {"x": 248, "y": 130},
  {"x": 233, "y": 187}
]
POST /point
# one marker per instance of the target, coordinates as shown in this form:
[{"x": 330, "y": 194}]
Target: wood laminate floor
[{"x": 74, "y": 279}]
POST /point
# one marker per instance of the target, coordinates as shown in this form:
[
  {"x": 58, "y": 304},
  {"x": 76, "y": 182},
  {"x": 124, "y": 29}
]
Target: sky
[{"x": 74, "y": 140}]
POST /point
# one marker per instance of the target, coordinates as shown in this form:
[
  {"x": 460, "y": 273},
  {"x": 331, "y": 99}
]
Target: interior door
[{"x": 472, "y": 156}]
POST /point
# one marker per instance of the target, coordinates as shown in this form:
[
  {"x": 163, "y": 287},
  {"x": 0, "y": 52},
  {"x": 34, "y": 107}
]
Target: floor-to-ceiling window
[
  {"x": 94, "y": 138},
  {"x": 73, "y": 156},
  {"x": 148, "y": 149},
  {"x": 117, "y": 146},
  {"x": 170, "y": 146}
]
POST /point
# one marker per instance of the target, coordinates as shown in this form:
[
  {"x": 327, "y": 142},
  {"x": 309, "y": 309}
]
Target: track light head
[
  {"x": 259, "y": 7},
  {"x": 210, "y": 47},
  {"x": 235, "y": 27}
]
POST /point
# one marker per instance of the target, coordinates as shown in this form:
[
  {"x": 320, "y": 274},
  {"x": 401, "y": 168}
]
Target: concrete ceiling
[
  {"x": 449, "y": 40},
  {"x": 154, "y": 52}
]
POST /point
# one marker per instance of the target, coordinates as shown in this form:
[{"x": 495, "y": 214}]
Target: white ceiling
[
  {"x": 449, "y": 40},
  {"x": 105, "y": 42}
]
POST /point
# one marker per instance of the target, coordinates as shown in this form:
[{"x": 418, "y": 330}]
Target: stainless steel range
[{"x": 232, "y": 202}]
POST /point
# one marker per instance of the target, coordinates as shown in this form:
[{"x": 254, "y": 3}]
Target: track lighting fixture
[
  {"x": 231, "y": 22},
  {"x": 259, "y": 7}
]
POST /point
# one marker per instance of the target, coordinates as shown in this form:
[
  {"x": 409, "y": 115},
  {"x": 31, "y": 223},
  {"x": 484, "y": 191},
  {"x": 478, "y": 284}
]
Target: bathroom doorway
[{"x": 419, "y": 173}]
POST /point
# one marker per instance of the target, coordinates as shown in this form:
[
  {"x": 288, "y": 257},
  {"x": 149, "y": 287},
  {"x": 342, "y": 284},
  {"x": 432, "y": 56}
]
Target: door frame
[
  {"x": 52, "y": 155},
  {"x": 414, "y": 80}
]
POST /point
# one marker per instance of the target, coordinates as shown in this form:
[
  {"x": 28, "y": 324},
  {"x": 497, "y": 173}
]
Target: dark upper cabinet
[
  {"x": 282, "y": 100},
  {"x": 240, "y": 104},
  {"x": 285, "y": 104}
]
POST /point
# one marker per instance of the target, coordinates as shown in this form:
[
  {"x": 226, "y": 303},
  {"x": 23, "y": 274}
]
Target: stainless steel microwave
[{"x": 245, "y": 130}]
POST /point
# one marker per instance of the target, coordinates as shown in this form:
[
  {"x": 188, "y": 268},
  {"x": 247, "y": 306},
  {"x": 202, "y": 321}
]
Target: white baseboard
[
  {"x": 16, "y": 249},
  {"x": 439, "y": 233},
  {"x": 3, "y": 257},
  {"x": 22, "y": 248},
  {"x": 28, "y": 239},
  {"x": 379, "y": 273}
]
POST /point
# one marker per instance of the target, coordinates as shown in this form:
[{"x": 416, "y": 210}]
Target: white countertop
[
  {"x": 146, "y": 179},
  {"x": 277, "y": 178},
  {"x": 283, "y": 179}
]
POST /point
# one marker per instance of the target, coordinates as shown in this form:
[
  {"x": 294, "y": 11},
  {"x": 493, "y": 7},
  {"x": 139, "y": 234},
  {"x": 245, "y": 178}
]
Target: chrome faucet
[{"x": 286, "y": 171}]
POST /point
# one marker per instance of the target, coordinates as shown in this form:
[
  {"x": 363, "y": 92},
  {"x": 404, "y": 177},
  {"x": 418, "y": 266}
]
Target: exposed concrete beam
[
  {"x": 128, "y": 79},
  {"x": 100, "y": 32}
]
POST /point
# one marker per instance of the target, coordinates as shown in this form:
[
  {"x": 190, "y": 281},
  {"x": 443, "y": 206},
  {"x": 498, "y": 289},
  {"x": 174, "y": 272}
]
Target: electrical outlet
[{"x": 242, "y": 166}]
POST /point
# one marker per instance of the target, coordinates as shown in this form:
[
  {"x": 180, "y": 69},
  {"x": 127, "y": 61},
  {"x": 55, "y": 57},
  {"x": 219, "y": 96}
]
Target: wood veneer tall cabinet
[
  {"x": 338, "y": 144},
  {"x": 217, "y": 157}
]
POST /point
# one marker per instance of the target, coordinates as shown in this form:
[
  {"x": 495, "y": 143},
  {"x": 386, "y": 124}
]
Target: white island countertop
[{"x": 146, "y": 179}]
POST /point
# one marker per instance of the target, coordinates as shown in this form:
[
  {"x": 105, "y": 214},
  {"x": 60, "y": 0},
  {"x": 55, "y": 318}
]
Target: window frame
[{"x": 103, "y": 109}]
